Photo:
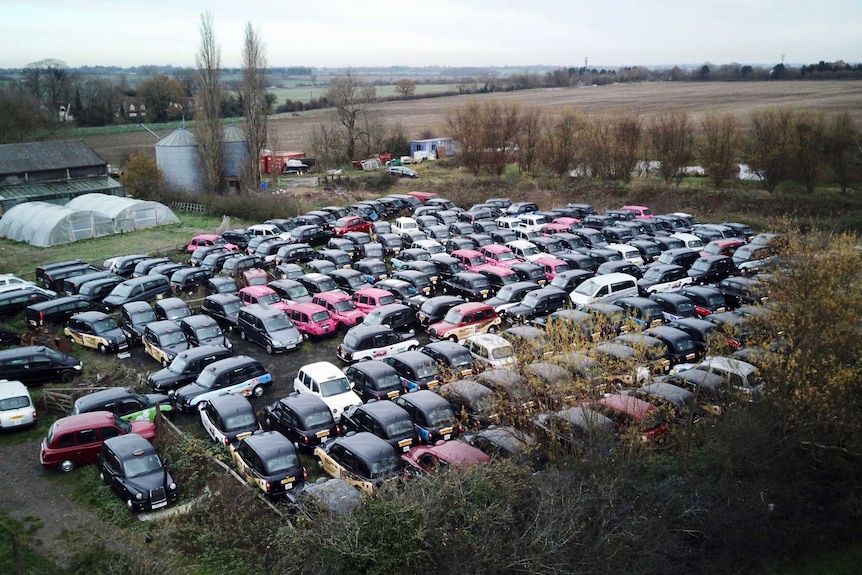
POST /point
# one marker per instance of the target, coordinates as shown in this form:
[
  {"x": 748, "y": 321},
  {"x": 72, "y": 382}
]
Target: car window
[{"x": 86, "y": 436}]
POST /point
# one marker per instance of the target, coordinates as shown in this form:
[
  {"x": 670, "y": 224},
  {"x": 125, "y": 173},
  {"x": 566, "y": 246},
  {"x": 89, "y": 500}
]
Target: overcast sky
[{"x": 355, "y": 33}]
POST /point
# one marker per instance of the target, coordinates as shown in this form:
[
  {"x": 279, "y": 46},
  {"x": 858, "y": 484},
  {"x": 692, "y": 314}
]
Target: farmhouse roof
[{"x": 38, "y": 156}]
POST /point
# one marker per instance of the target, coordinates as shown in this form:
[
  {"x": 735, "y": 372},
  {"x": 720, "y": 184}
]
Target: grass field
[
  {"x": 418, "y": 116},
  {"x": 21, "y": 259}
]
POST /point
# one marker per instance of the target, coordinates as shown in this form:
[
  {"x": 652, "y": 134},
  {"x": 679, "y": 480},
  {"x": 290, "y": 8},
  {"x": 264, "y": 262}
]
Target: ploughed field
[{"x": 418, "y": 116}]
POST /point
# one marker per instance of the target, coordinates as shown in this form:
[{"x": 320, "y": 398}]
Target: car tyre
[
  {"x": 67, "y": 377},
  {"x": 242, "y": 335},
  {"x": 257, "y": 391},
  {"x": 269, "y": 349},
  {"x": 453, "y": 338},
  {"x": 66, "y": 465},
  {"x": 164, "y": 362},
  {"x": 492, "y": 329},
  {"x": 103, "y": 478},
  {"x": 102, "y": 348}
]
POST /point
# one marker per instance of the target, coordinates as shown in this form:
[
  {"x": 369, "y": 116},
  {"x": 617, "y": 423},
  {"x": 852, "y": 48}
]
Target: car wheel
[
  {"x": 102, "y": 348},
  {"x": 412, "y": 348},
  {"x": 269, "y": 349},
  {"x": 257, "y": 391},
  {"x": 242, "y": 335},
  {"x": 164, "y": 362},
  {"x": 67, "y": 377},
  {"x": 492, "y": 329},
  {"x": 453, "y": 338},
  {"x": 103, "y": 478},
  {"x": 66, "y": 466}
]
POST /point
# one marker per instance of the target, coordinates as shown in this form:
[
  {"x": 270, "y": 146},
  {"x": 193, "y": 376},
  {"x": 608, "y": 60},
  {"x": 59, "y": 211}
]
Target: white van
[
  {"x": 606, "y": 288},
  {"x": 16, "y": 405}
]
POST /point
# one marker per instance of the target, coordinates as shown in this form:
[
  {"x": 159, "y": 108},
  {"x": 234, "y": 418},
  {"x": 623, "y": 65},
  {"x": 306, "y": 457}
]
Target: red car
[
  {"x": 340, "y": 306},
  {"x": 311, "y": 319},
  {"x": 429, "y": 459},
  {"x": 351, "y": 224},
  {"x": 261, "y": 294},
  {"x": 367, "y": 299},
  {"x": 633, "y": 414},
  {"x": 204, "y": 240},
  {"x": 722, "y": 247},
  {"x": 77, "y": 439}
]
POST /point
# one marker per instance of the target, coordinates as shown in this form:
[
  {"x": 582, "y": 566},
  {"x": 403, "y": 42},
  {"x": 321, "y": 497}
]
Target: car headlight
[
  {"x": 172, "y": 486},
  {"x": 228, "y": 344},
  {"x": 78, "y": 367},
  {"x": 139, "y": 496},
  {"x": 277, "y": 343}
]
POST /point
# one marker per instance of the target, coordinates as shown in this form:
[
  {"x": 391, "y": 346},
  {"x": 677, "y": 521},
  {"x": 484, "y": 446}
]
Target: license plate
[
  {"x": 124, "y": 355},
  {"x": 322, "y": 434},
  {"x": 17, "y": 417},
  {"x": 484, "y": 292},
  {"x": 405, "y": 449},
  {"x": 287, "y": 480},
  {"x": 158, "y": 505},
  {"x": 422, "y": 317},
  {"x": 720, "y": 310},
  {"x": 690, "y": 356},
  {"x": 447, "y": 437},
  {"x": 434, "y": 384},
  {"x": 243, "y": 436},
  {"x": 324, "y": 439},
  {"x": 447, "y": 431},
  {"x": 392, "y": 394}
]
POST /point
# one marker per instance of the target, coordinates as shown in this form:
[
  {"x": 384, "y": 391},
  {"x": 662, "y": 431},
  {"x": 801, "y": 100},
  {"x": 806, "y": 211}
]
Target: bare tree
[
  {"x": 844, "y": 150},
  {"x": 49, "y": 82},
  {"x": 530, "y": 134},
  {"x": 21, "y": 116},
  {"x": 187, "y": 78},
  {"x": 254, "y": 101},
  {"x": 351, "y": 99},
  {"x": 718, "y": 146},
  {"x": 500, "y": 129},
  {"x": 671, "y": 143},
  {"x": 208, "y": 104},
  {"x": 809, "y": 147},
  {"x": 562, "y": 141},
  {"x": 769, "y": 146},
  {"x": 406, "y": 87},
  {"x": 612, "y": 146},
  {"x": 464, "y": 126}
]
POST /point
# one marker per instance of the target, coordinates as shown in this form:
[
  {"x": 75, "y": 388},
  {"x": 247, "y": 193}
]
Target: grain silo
[
  {"x": 234, "y": 153},
  {"x": 177, "y": 157}
]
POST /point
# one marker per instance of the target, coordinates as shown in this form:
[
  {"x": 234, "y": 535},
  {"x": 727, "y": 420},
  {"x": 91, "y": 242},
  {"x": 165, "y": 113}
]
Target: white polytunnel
[
  {"x": 128, "y": 214},
  {"x": 43, "y": 224}
]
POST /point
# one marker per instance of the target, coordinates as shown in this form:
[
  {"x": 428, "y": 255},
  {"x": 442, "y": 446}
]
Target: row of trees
[{"x": 778, "y": 144}]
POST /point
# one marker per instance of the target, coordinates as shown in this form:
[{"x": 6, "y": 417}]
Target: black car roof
[
  {"x": 374, "y": 368},
  {"x": 304, "y": 403},
  {"x": 99, "y": 398},
  {"x": 194, "y": 353},
  {"x": 269, "y": 444},
  {"x": 367, "y": 446},
  {"x": 412, "y": 358},
  {"x": 223, "y": 298},
  {"x": 364, "y": 330},
  {"x": 163, "y": 326},
  {"x": 424, "y": 399},
  {"x": 129, "y": 446},
  {"x": 447, "y": 347},
  {"x": 384, "y": 411},
  {"x": 231, "y": 403}
]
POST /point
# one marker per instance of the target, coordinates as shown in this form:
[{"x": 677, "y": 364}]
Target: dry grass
[{"x": 417, "y": 116}]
